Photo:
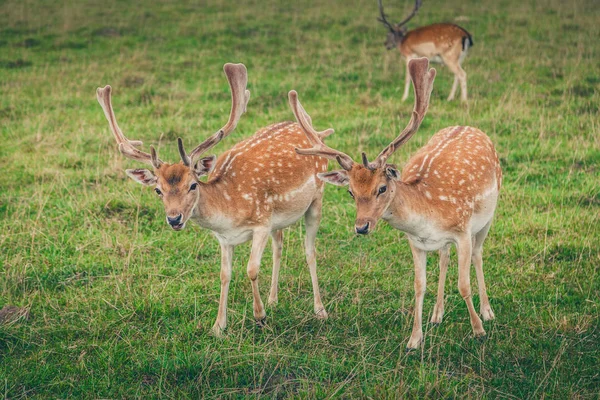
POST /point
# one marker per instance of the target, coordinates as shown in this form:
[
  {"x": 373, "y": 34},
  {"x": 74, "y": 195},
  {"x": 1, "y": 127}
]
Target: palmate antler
[
  {"x": 383, "y": 19},
  {"x": 126, "y": 146},
  {"x": 316, "y": 138},
  {"x": 390, "y": 26},
  {"x": 237, "y": 75},
  {"x": 422, "y": 78}
]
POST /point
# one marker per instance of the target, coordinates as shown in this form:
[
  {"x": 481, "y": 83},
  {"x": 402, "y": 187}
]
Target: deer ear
[
  {"x": 392, "y": 173},
  {"x": 338, "y": 178},
  {"x": 205, "y": 165},
  {"x": 143, "y": 176}
]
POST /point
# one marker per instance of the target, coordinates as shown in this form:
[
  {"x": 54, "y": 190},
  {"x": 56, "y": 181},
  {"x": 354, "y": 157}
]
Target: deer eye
[
  {"x": 382, "y": 190},
  {"x": 351, "y": 194},
  {"x": 158, "y": 192},
  {"x": 193, "y": 186}
]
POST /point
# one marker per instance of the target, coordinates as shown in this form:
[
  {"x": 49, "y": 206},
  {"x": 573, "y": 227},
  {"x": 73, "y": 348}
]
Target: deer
[
  {"x": 446, "y": 194},
  {"x": 252, "y": 192},
  {"x": 442, "y": 43}
]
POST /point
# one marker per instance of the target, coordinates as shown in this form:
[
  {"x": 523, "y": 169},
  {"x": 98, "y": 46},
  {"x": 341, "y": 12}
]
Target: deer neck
[
  {"x": 410, "y": 209},
  {"x": 214, "y": 208}
]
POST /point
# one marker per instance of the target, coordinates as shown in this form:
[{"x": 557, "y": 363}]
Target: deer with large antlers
[
  {"x": 447, "y": 193},
  {"x": 253, "y": 191},
  {"x": 443, "y": 43}
]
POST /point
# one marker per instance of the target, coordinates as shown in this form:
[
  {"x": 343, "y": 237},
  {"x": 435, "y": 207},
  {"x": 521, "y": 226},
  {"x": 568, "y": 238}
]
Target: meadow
[{"x": 119, "y": 306}]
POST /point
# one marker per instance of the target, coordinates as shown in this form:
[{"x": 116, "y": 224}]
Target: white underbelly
[
  {"x": 485, "y": 214},
  {"x": 429, "y": 243},
  {"x": 234, "y": 237}
]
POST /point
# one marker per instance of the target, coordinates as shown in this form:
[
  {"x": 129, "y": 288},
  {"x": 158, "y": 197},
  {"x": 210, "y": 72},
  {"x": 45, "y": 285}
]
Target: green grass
[{"x": 121, "y": 306}]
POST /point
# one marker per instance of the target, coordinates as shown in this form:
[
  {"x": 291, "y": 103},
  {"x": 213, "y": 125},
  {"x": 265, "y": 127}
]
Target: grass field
[{"x": 121, "y": 306}]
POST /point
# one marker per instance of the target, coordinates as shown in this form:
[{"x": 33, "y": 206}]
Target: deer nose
[
  {"x": 174, "y": 220},
  {"x": 362, "y": 230}
]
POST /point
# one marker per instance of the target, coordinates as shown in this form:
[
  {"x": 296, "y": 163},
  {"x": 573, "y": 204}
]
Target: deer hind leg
[
  {"x": 259, "y": 241},
  {"x": 464, "y": 247},
  {"x": 312, "y": 219},
  {"x": 406, "y": 80},
  {"x": 438, "y": 309},
  {"x": 226, "y": 263},
  {"x": 453, "y": 90},
  {"x": 420, "y": 260},
  {"x": 452, "y": 61},
  {"x": 277, "y": 245},
  {"x": 477, "y": 257}
]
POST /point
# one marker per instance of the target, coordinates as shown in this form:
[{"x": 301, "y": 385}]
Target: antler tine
[
  {"x": 126, "y": 146},
  {"x": 184, "y": 157},
  {"x": 316, "y": 138},
  {"x": 412, "y": 14},
  {"x": 382, "y": 19},
  {"x": 422, "y": 78},
  {"x": 237, "y": 75}
]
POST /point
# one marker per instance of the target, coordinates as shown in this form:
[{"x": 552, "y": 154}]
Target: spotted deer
[
  {"x": 253, "y": 191},
  {"x": 443, "y": 43},
  {"x": 447, "y": 193}
]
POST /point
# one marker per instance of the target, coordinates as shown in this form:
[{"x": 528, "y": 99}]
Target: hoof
[
  {"x": 487, "y": 314},
  {"x": 481, "y": 337},
  {"x": 261, "y": 323},
  {"x": 414, "y": 343},
  {"x": 321, "y": 314},
  {"x": 272, "y": 302},
  {"x": 435, "y": 324},
  {"x": 217, "y": 331}
]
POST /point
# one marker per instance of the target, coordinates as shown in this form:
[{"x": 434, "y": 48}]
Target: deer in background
[
  {"x": 447, "y": 193},
  {"x": 253, "y": 191},
  {"x": 441, "y": 43}
]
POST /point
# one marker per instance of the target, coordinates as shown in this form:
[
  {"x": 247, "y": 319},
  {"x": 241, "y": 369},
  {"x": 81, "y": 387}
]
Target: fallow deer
[
  {"x": 447, "y": 193},
  {"x": 443, "y": 43},
  {"x": 253, "y": 191}
]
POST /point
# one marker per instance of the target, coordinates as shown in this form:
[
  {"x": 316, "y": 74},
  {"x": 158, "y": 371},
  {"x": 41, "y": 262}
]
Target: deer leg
[
  {"x": 312, "y": 219},
  {"x": 463, "y": 84},
  {"x": 420, "y": 260},
  {"x": 453, "y": 90},
  {"x": 277, "y": 245},
  {"x": 259, "y": 241},
  {"x": 477, "y": 257},
  {"x": 438, "y": 309},
  {"x": 464, "y": 282},
  {"x": 226, "y": 263},
  {"x": 460, "y": 75},
  {"x": 406, "y": 80}
]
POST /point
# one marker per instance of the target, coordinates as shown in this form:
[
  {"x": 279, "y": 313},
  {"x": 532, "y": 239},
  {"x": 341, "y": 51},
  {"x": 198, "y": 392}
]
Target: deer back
[
  {"x": 263, "y": 175},
  {"x": 456, "y": 171}
]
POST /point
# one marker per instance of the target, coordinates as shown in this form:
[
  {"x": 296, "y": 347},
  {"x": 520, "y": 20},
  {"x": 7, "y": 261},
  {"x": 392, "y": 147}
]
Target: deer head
[
  {"x": 396, "y": 31},
  {"x": 178, "y": 185},
  {"x": 371, "y": 184}
]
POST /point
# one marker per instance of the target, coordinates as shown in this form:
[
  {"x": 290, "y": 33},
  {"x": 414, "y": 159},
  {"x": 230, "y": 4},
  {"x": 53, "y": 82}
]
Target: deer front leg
[
  {"x": 277, "y": 244},
  {"x": 406, "y": 80},
  {"x": 312, "y": 219},
  {"x": 438, "y": 309},
  {"x": 226, "y": 263},
  {"x": 259, "y": 241},
  {"x": 420, "y": 260},
  {"x": 464, "y": 246}
]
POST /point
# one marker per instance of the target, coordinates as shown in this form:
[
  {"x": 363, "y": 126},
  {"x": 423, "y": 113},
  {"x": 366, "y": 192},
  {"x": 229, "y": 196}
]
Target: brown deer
[
  {"x": 447, "y": 193},
  {"x": 443, "y": 43},
  {"x": 253, "y": 191}
]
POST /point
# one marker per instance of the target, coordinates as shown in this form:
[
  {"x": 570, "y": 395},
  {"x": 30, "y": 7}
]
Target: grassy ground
[{"x": 121, "y": 306}]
